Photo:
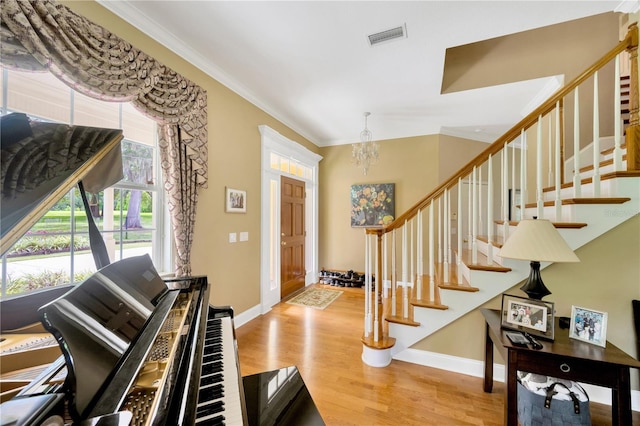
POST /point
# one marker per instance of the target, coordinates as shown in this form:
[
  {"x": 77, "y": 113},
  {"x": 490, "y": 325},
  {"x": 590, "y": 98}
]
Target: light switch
[
  {"x": 233, "y": 237},
  {"x": 244, "y": 236}
]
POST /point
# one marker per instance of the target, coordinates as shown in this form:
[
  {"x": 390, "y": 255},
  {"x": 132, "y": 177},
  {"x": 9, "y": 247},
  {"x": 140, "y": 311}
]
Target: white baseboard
[
  {"x": 246, "y": 316},
  {"x": 475, "y": 368}
]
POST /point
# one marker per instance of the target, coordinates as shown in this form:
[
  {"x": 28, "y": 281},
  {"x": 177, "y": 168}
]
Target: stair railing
[{"x": 513, "y": 155}]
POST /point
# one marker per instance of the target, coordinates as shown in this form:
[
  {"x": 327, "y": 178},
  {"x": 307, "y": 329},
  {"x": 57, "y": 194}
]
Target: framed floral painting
[{"x": 372, "y": 205}]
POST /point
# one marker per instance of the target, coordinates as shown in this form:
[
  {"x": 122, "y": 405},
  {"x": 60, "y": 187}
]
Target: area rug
[{"x": 317, "y": 298}]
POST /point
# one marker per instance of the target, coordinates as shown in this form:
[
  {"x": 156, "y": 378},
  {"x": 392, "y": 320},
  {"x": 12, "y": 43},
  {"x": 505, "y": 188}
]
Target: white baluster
[
  {"x": 617, "y": 119},
  {"x": 577, "y": 190},
  {"x": 459, "y": 257},
  {"x": 513, "y": 182},
  {"x": 523, "y": 173},
  {"x": 474, "y": 222},
  {"x": 447, "y": 236},
  {"x": 367, "y": 312},
  {"x": 420, "y": 257},
  {"x": 412, "y": 275},
  {"x": 596, "y": 138},
  {"x": 376, "y": 289},
  {"x": 539, "y": 197},
  {"x": 550, "y": 156},
  {"x": 439, "y": 231},
  {"x": 431, "y": 255},
  {"x": 505, "y": 192},
  {"x": 558, "y": 165},
  {"x": 394, "y": 274},
  {"x": 469, "y": 215},
  {"x": 490, "y": 211},
  {"x": 385, "y": 271},
  {"x": 405, "y": 273},
  {"x": 481, "y": 224}
]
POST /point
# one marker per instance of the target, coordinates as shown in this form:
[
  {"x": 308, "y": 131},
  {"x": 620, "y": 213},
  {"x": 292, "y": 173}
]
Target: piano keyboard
[{"x": 219, "y": 392}]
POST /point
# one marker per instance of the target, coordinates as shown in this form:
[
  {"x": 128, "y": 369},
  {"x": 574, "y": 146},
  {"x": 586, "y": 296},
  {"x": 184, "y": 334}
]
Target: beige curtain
[{"x": 40, "y": 35}]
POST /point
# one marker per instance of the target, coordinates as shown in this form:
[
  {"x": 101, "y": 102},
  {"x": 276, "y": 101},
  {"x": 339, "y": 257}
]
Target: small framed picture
[
  {"x": 535, "y": 317},
  {"x": 236, "y": 201},
  {"x": 588, "y": 325}
]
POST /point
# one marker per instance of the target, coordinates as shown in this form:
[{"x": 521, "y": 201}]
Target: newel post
[{"x": 633, "y": 131}]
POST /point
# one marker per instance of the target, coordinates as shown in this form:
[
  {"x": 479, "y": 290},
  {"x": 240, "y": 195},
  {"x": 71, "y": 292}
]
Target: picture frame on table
[
  {"x": 235, "y": 200},
  {"x": 526, "y": 315},
  {"x": 588, "y": 325}
]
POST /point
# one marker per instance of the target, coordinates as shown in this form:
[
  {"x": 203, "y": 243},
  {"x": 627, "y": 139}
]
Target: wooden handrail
[{"x": 630, "y": 42}]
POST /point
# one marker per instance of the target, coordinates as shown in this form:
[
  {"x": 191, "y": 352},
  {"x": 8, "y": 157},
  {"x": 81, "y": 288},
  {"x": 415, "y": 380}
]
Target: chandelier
[{"x": 365, "y": 153}]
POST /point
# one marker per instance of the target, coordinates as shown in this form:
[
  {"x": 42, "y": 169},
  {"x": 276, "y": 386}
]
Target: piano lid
[
  {"x": 40, "y": 162},
  {"x": 96, "y": 322}
]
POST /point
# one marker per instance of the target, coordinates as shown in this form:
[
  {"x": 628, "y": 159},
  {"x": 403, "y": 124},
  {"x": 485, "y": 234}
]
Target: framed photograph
[
  {"x": 373, "y": 205},
  {"x": 588, "y": 325},
  {"x": 535, "y": 317},
  {"x": 236, "y": 201}
]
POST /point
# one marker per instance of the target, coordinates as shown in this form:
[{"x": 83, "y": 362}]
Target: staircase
[{"x": 438, "y": 261}]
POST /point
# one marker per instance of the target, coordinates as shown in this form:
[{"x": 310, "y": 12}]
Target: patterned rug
[{"x": 317, "y": 298}]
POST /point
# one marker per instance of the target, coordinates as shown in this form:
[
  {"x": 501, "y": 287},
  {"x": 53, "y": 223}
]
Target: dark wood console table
[{"x": 563, "y": 358}]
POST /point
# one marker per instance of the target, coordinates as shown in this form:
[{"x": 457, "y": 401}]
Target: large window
[{"x": 130, "y": 214}]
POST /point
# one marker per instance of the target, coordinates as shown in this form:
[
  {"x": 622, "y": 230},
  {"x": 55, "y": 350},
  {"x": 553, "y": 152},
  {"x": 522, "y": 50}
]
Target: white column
[
  {"x": 577, "y": 190},
  {"x": 596, "y": 138}
]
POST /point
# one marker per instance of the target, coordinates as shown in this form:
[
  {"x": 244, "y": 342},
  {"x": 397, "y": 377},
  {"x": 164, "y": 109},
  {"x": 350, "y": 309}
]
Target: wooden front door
[{"x": 292, "y": 228}]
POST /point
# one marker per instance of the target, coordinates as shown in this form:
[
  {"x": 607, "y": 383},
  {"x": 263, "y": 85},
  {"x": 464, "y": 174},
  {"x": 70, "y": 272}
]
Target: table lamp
[{"x": 537, "y": 240}]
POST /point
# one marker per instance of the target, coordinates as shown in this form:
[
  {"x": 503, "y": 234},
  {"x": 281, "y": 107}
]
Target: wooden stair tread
[
  {"x": 397, "y": 319},
  {"x": 557, "y": 225},
  {"x": 481, "y": 266},
  {"x": 497, "y": 241},
  {"x": 428, "y": 304},
  {"x": 384, "y": 342},
  {"x": 605, "y": 176},
  {"x": 583, "y": 200}
]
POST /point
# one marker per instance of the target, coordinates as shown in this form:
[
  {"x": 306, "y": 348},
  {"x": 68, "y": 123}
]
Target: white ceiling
[{"x": 309, "y": 63}]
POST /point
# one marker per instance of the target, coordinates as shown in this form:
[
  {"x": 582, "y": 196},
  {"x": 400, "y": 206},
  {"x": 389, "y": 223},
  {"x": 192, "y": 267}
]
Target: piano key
[{"x": 228, "y": 378}]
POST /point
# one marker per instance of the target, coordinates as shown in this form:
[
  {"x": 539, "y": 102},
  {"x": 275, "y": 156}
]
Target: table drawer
[{"x": 581, "y": 370}]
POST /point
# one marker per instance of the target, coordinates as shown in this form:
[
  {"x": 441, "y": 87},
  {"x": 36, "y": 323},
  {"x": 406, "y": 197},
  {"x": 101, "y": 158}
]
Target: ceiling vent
[{"x": 388, "y": 35}]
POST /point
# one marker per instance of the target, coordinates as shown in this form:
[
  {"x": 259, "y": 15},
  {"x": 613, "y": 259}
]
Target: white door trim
[{"x": 274, "y": 142}]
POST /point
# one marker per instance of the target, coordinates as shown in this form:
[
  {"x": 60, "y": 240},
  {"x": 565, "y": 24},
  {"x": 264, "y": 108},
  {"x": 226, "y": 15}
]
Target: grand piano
[{"x": 124, "y": 347}]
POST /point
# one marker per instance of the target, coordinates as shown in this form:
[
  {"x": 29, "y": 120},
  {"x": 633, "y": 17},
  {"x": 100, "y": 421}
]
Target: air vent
[{"x": 388, "y": 35}]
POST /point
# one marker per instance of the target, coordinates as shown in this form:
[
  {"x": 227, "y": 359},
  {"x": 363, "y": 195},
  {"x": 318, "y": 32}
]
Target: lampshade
[{"x": 539, "y": 240}]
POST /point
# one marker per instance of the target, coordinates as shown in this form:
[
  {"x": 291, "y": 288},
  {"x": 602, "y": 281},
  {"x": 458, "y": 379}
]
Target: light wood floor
[{"x": 325, "y": 346}]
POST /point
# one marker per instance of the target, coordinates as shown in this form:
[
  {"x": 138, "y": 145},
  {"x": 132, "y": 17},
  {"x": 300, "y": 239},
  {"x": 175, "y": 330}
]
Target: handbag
[{"x": 548, "y": 406}]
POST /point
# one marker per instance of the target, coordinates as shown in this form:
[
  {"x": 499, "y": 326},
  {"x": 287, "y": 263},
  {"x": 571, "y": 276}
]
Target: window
[{"x": 130, "y": 214}]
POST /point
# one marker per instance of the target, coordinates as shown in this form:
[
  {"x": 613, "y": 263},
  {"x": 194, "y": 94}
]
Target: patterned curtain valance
[{"x": 40, "y": 35}]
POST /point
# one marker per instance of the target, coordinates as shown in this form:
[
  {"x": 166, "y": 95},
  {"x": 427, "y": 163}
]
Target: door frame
[{"x": 273, "y": 142}]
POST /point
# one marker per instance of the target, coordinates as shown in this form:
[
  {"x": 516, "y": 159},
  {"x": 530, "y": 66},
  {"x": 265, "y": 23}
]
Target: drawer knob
[{"x": 565, "y": 368}]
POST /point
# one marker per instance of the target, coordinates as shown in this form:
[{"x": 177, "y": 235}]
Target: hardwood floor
[{"x": 325, "y": 346}]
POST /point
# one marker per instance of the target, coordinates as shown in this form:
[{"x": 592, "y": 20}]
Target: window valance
[{"x": 42, "y": 35}]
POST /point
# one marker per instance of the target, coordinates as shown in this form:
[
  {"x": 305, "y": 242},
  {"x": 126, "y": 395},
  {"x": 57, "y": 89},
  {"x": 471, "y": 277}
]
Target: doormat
[{"x": 317, "y": 298}]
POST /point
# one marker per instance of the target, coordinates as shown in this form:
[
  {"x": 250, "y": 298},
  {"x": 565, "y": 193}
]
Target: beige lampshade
[{"x": 537, "y": 240}]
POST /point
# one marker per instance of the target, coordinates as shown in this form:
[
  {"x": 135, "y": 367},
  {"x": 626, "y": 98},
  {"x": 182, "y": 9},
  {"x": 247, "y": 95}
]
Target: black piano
[{"x": 124, "y": 347}]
